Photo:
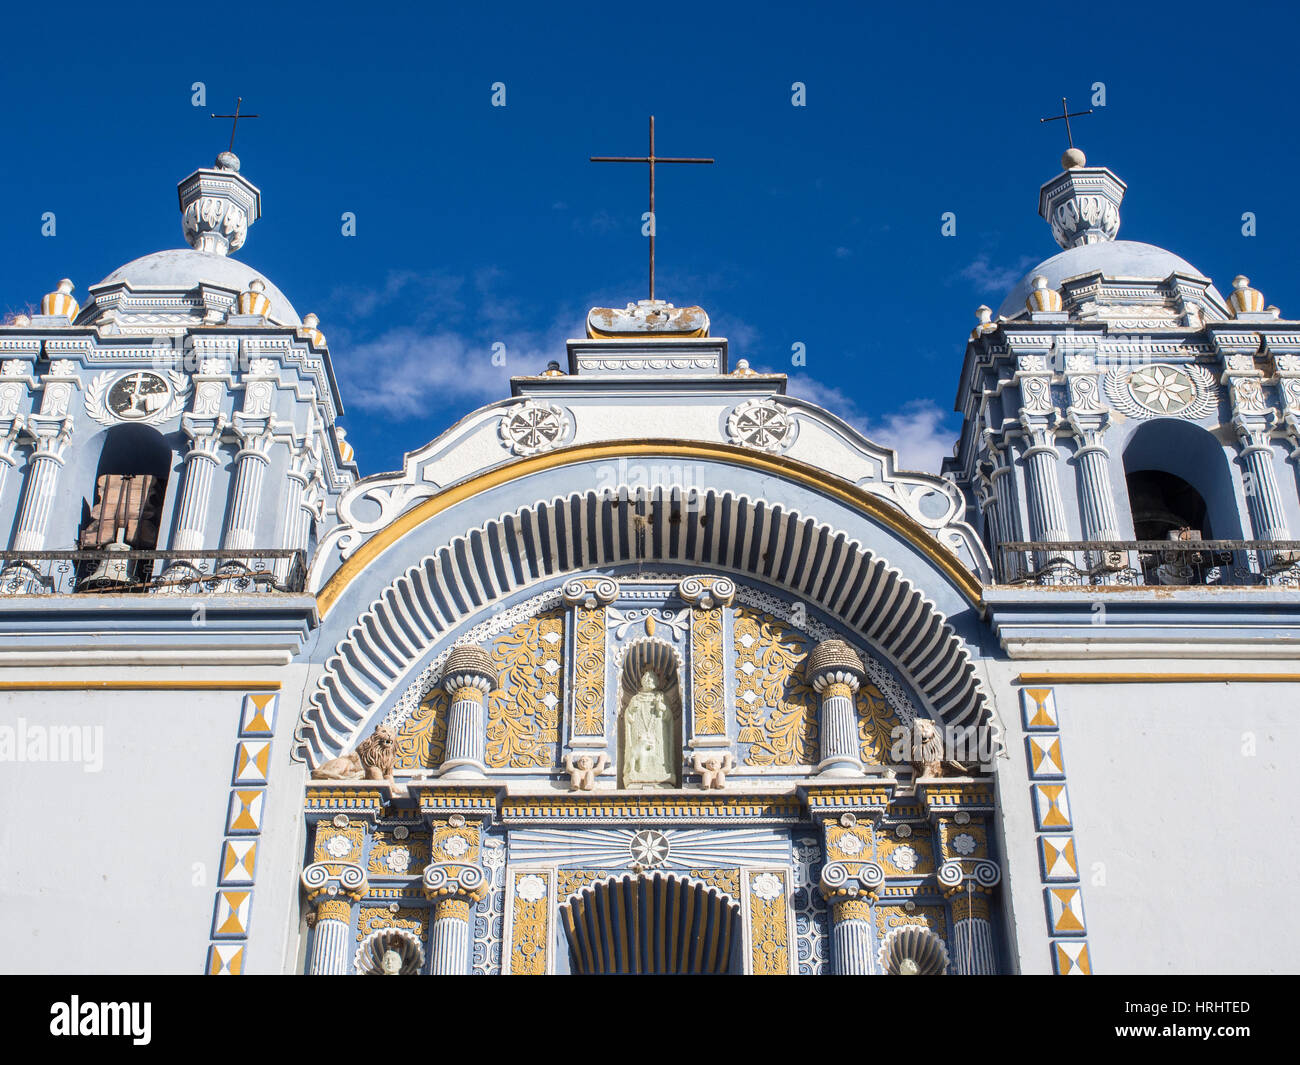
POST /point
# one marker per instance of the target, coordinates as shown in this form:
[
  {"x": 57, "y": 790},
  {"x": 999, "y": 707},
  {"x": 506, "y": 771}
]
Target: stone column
[
  {"x": 849, "y": 889},
  {"x": 16, "y": 381},
  {"x": 468, "y": 677},
  {"x": 853, "y": 937},
  {"x": 973, "y": 952},
  {"x": 1253, "y": 420},
  {"x": 1089, "y": 419},
  {"x": 836, "y": 672},
  {"x": 968, "y": 884},
  {"x": 1007, "y": 512},
  {"x": 246, "y": 502},
  {"x": 38, "y": 491},
  {"x": 201, "y": 461},
  {"x": 452, "y": 887},
  {"x": 334, "y": 888},
  {"x": 203, "y": 425},
  {"x": 1046, "y": 509},
  {"x": 50, "y": 431}
]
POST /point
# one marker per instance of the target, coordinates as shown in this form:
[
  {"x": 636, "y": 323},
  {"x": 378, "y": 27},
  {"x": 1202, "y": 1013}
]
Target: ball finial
[
  {"x": 228, "y": 161},
  {"x": 1073, "y": 158}
]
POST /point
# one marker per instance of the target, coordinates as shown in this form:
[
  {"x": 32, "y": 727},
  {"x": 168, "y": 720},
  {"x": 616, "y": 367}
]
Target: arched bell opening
[
  {"x": 125, "y": 509},
  {"x": 652, "y": 924}
]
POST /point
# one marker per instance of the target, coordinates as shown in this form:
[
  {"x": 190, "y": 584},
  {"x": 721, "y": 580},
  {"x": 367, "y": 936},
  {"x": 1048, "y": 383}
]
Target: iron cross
[
  {"x": 1066, "y": 114},
  {"x": 236, "y": 116},
  {"x": 652, "y": 159}
]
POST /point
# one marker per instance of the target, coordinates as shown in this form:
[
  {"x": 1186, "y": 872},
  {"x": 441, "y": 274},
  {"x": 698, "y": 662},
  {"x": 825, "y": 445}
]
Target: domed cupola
[
  {"x": 1097, "y": 278},
  {"x": 169, "y": 291}
]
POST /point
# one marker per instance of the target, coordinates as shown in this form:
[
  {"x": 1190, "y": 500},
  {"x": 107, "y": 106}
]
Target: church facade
[{"x": 649, "y": 666}]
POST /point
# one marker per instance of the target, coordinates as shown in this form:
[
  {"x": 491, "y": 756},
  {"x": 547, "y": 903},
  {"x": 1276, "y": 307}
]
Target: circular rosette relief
[{"x": 762, "y": 424}]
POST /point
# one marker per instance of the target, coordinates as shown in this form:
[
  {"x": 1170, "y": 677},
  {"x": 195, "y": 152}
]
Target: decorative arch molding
[
  {"x": 650, "y": 923},
  {"x": 592, "y": 531}
]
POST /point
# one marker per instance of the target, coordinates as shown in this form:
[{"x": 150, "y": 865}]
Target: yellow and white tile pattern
[
  {"x": 1058, "y": 862},
  {"x": 234, "y": 899}
]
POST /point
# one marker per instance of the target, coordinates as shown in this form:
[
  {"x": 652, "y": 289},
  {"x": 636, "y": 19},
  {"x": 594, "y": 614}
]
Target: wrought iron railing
[
  {"x": 1151, "y": 562},
  {"x": 113, "y": 571}
]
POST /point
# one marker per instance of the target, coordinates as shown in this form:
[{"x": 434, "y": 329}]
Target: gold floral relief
[
  {"x": 876, "y": 723},
  {"x": 422, "y": 739},
  {"x": 589, "y": 672},
  {"x": 853, "y": 844},
  {"x": 372, "y": 918},
  {"x": 451, "y": 843},
  {"x": 775, "y": 707},
  {"x": 394, "y": 857},
  {"x": 707, "y": 672},
  {"x": 910, "y": 856},
  {"x": 727, "y": 880},
  {"x": 963, "y": 841},
  {"x": 530, "y": 931},
  {"x": 523, "y": 726},
  {"x": 932, "y": 917},
  {"x": 769, "y": 932},
  {"x": 339, "y": 844}
]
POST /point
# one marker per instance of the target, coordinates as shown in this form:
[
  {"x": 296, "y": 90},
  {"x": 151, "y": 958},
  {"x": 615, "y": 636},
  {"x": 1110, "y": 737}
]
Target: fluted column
[
  {"x": 836, "y": 673},
  {"x": 968, "y": 884},
  {"x": 1008, "y": 514},
  {"x": 1253, "y": 420},
  {"x": 50, "y": 430},
  {"x": 38, "y": 492},
  {"x": 853, "y": 937},
  {"x": 1046, "y": 508},
  {"x": 468, "y": 677},
  {"x": 201, "y": 462},
  {"x": 449, "y": 943},
  {"x": 849, "y": 888},
  {"x": 453, "y": 888},
  {"x": 246, "y": 502},
  {"x": 333, "y": 888},
  {"x": 973, "y": 952}
]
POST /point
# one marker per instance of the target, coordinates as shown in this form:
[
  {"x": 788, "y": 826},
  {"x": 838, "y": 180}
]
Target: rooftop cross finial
[
  {"x": 651, "y": 159},
  {"x": 1066, "y": 114},
  {"x": 235, "y": 124}
]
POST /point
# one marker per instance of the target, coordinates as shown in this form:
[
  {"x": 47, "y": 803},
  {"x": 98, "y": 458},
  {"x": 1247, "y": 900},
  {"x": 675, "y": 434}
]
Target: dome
[
  {"x": 1113, "y": 258},
  {"x": 183, "y": 269}
]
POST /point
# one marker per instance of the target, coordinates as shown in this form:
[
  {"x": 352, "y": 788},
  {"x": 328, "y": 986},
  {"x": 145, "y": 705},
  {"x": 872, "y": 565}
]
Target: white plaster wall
[
  {"x": 116, "y": 871},
  {"x": 1185, "y": 843}
]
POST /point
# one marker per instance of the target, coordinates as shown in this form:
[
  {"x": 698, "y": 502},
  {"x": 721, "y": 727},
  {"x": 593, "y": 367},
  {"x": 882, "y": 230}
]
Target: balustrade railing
[
  {"x": 116, "y": 571},
  {"x": 1151, "y": 562}
]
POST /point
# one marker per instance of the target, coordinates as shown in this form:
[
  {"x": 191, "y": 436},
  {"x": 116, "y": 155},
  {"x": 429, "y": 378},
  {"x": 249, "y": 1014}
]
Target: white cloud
[
  {"x": 917, "y": 430},
  {"x": 994, "y": 280}
]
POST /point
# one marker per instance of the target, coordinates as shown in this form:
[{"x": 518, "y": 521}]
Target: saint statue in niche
[{"x": 648, "y": 737}]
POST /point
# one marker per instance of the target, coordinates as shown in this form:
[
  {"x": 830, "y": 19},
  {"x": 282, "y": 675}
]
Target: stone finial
[
  {"x": 1073, "y": 159},
  {"x": 218, "y": 206},
  {"x": 552, "y": 370},
  {"x": 1081, "y": 204},
  {"x": 743, "y": 369},
  {"x": 469, "y": 660},
  {"x": 647, "y": 318},
  {"x": 253, "y": 300},
  {"x": 983, "y": 322},
  {"x": 1042, "y": 298},
  {"x": 346, "y": 451},
  {"x": 59, "y": 303},
  {"x": 833, "y": 660},
  {"x": 1243, "y": 299},
  {"x": 309, "y": 328}
]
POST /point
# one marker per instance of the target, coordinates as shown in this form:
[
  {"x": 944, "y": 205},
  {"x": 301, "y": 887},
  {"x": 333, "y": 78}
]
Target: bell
[{"x": 114, "y": 570}]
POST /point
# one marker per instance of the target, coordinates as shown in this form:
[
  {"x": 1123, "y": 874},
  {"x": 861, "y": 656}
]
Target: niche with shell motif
[{"x": 649, "y": 716}]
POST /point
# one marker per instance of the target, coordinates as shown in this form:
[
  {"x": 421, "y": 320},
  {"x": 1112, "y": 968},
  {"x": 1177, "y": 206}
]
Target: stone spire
[
  {"x": 218, "y": 206},
  {"x": 1081, "y": 203}
]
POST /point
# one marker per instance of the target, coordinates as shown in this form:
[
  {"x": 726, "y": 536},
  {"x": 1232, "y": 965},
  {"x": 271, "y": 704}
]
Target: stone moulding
[{"x": 585, "y": 531}]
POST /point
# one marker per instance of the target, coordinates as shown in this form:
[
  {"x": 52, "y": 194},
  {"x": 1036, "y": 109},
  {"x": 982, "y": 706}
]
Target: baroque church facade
[{"x": 648, "y": 666}]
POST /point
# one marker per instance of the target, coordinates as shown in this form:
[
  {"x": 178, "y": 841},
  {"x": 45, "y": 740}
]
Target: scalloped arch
[{"x": 589, "y": 530}]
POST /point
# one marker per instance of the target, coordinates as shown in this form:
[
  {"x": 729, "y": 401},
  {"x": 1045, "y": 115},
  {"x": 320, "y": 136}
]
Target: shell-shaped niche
[
  {"x": 649, "y": 656},
  {"x": 406, "y": 945},
  {"x": 913, "y": 951}
]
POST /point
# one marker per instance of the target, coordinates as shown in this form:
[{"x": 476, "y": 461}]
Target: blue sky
[{"x": 478, "y": 225}]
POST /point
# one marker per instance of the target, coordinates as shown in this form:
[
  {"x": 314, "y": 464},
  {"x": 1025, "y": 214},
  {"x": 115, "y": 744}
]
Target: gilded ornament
[
  {"x": 707, "y": 672},
  {"x": 769, "y": 931},
  {"x": 589, "y": 672},
  {"x": 524, "y": 711}
]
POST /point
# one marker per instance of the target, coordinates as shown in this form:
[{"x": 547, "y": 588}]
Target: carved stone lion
[
  {"x": 373, "y": 759},
  {"x": 928, "y": 755}
]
